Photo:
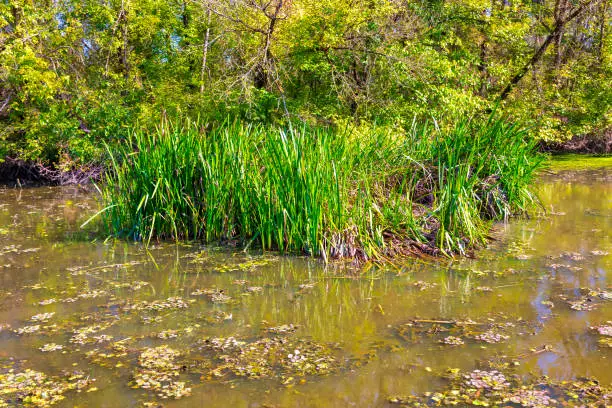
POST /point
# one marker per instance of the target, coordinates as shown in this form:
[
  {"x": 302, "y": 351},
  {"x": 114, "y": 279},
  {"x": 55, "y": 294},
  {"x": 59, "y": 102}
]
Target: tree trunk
[
  {"x": 557, "y": 30},
  {"x": 205, "y": 51}
]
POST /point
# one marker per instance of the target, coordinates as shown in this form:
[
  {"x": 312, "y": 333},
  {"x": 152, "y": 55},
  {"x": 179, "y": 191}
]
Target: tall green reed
[{"x": 316, "y": 191}]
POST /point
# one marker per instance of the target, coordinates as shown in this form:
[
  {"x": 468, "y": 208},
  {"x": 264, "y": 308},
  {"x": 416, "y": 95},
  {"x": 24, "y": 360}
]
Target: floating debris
[
  {"x": 452, "y": 341},
  {"x": 81, "y": 335},
  {"x": 42, "y": 317},
  {"x": 93, "y": 294},
  {"x": 151, "y": 319},
  {"x": 306, "y": 286},
  {"x": 158, "y": 372},
  {"x": 254, "y": 289},
  {"x": 282, "y": 329},
  {"x": 51, "y": 347},
  {"x": 267, "y": 357},
  {"x": 35, "y": 388},
  {"x": 531, "y": 398},
  {"x": 582, "y": 305},
  {"x": 573, "y": 256},
  {"x": 159, "y": 305},
  {"x": 494, "y": 388},
  {"x": 605, "y": 342},
  {"x": 491, "y": 337},
  {"x": 103, "y": 338},
  {"x": 215, "y": 295},
  {"x": 422, "y": 285},
  {"x": 604, "y": 330},
  {"x": 167, "y": 334},
  {"x": 605, "y": 295},
  {"x": 240, "y": 282},
  {"x": 173, "y": 334},
  {"x": 111, "y": 354},
  {"x": 489, "y": 380},
  {"x": 27, "y": 329},
  {"x": 204, "y": 292},
  {"x": 220, "y": 297},
  {"x": 523, "y": 257}
]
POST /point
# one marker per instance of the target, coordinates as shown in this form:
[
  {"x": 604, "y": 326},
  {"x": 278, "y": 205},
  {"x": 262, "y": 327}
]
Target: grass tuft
[{"x": 319, "y": 192}]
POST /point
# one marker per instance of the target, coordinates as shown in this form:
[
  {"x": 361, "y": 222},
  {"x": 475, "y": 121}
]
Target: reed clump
[{"x": 317, "y": 191}]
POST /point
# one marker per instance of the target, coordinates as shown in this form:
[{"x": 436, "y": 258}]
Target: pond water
[{"x": 111, "y": 324}]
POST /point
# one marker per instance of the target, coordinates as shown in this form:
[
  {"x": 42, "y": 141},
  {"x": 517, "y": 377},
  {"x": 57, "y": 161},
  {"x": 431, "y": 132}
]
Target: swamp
[
  {"x": 305, "y": 203},
  {"x": 526, "y": 321}
]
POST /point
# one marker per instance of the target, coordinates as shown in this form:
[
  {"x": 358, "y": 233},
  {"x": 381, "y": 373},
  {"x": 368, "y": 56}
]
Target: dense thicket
[{"x": 73, "y": 73}]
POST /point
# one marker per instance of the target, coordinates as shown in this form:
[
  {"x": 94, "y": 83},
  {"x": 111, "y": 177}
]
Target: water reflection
[{"x": 521, "y": 285}]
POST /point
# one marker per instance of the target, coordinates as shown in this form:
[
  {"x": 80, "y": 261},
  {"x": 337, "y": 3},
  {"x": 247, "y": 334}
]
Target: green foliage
[
  {"x": 317, "y": 191},
  {"x": 76, "y": 73},
  {"x": 483, "y": 173}
]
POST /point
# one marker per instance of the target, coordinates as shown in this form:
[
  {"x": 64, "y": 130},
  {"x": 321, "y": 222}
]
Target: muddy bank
[
  {"x": 589, "y": 144},
  {"x": 16, "y": 172}
]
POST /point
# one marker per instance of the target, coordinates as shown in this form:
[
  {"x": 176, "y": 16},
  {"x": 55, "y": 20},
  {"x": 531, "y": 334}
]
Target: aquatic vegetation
[
  {"x": 312, "y": 191},
  {"x": 111, "y": 355},
  {"x": 605, "y": 294},
  {"x": 214, "y": 295},
  {"x": 283, "y": 329},
  {"x": 491, "y": 337},
  {"x": 34, "y": 388},
  {"x": 160, "y": 305},
  {"x": 93, "y": 294},
  {"x": 605, "y": 333},
  {"x": 220, "y": 297},
  {"x": 574, "y": 256},
  {"x": 587, "y": 299},
  {"x": 421, "y": 285},
  {"x": 27, "y": 329},
  {"x": 284, "y": 320},
  {"x": 158, "y": 372},
  {"x": 83, "y": 335},
  {"x": 173, "y": 334},
  {"x": 51, "y": 347},
  {"x": 42, "y": 317},
  {"x": 268, "y": 357},
  {"x": 458, "y": 332},
  {"x": 487, "y": 380},
  {"x": 604, "y": 330},
  {"x": 581, "y": 305},
  {"x": 605, "y": 342},
  {"x": 205, "y": 292},
  {"x": 494, "y": 388},
  {"x": 452, "y": 341},
  {"x": 254, "y": 289},
  {"x": 531, "y": 398}
]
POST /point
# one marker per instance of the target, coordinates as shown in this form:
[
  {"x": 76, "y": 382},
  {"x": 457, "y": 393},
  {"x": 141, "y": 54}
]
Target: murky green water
[{"x": 304, "y": 334}]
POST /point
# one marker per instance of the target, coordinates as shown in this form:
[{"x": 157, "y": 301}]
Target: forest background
[{"x": 76, "y": 73}]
